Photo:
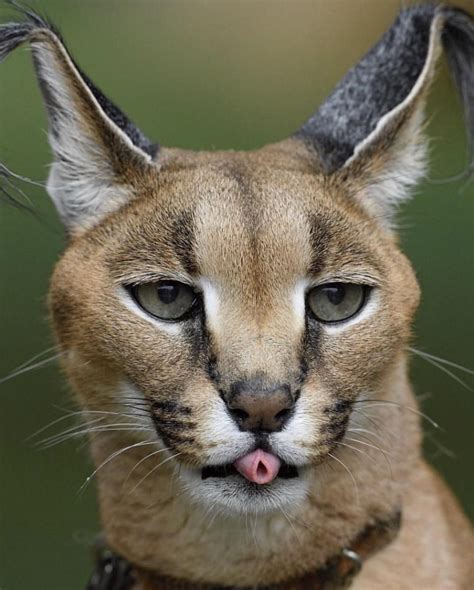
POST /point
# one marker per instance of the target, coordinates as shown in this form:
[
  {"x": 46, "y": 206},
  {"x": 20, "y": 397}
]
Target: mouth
[{"x": 259, "y": 467}]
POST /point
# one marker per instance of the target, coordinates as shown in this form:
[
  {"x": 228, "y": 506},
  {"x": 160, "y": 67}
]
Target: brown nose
[{"x": 259, "y": 407}]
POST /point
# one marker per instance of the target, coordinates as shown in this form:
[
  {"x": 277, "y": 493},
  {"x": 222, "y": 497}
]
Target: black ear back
[{"x": 389, "y": 80}]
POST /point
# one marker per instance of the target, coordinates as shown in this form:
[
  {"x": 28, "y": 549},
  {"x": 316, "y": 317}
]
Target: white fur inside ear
[
  {"x": 82, "y": 183},
  {"x": 82, "y": 193},
  {"x": 405, "y": 162}
]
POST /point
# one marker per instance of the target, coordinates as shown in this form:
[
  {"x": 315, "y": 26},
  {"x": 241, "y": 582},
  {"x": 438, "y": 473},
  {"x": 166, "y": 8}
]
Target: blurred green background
[{"x": 204, "y": 74}]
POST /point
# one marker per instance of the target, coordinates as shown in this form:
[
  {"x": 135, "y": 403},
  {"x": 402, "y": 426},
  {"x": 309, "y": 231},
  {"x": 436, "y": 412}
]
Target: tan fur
[
  {"x": 252, "y": 233},
  {"x": 252, "y": 217}
]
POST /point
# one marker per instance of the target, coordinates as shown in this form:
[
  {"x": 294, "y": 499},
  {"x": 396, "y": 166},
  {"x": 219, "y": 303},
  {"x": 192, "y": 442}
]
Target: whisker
[
  {"x": 152, "y": 454},
  {"x": 4, "y": 171},
  {"x": 380, "y": 402},
  {"x": 441, "y": 448},
  {"x": 110, "y": 458},
  {"x": 105, "y": 428},
  {"x": 351, "y": 475},
  {"x": 361, "y": 451},
  {"x": 70, "y": 430},
  {"x": 53, "y": 423},
  {"x": 369, "y": 418},
  {"x": 438, "y": 365},
  {"x": 76, "y": 414},
  {"x": 139, "y": 410},
  {"x": 35, "y": 357},
  {"x": 298, "y": 538},
  {"x": 369, "y": 445},
  {"x": 385, "y": 453},
  {"x": 84, "y": 425},
  {"x": 38, "y": 365},
  {"x": 176, "y": 474},
  {"x": 426, "y": 355},
  {"x": 366, "y": 431},
  {"x": 153, "y": 470}
]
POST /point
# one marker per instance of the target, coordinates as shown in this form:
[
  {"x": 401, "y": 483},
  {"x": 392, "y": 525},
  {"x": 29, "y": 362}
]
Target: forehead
[{"x": 242, "y": 223}]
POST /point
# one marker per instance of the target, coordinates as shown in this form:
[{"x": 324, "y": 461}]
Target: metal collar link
[{"x": 112, "y": 573}]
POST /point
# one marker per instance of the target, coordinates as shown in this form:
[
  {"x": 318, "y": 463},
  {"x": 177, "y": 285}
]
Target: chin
[{"x": 224, "y": 491}]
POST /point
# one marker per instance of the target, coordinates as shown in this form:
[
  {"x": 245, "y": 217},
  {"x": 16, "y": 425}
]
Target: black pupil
[
  {"x": 335, "y": 294},
  {"x": 168, "y": 292}
]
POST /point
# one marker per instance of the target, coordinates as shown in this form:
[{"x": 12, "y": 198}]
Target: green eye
[
  {"x": 335, "y": 302},
  {"x": 166, "y": 300}
]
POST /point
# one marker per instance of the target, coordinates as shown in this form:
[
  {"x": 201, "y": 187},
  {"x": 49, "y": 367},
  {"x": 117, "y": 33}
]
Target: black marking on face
[
  {"x": 337, "y": 419},
  {"x": 171, "y": 437},
  {"x": 171, "y": 407},
  {"x": 173, "y": 424},
  {"x": 336, "y": 428},
  {"x": 212, "y": 370},
  {"x": 311, "y": 342},
  {"x": 320, "y": 236},
  {"x": 183, "y": 241},
  {"x": 341, "y": 406}
]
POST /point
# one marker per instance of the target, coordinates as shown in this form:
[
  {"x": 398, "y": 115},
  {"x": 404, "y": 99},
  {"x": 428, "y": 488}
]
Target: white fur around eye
[
  {"x": 299, "y": 302},
  {"x": 211, "y": 303},
  {"x": 171, "y": 328}
]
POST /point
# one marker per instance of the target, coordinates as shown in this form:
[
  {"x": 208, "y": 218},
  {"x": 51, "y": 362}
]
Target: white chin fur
[{"x": 234, "y": 496}]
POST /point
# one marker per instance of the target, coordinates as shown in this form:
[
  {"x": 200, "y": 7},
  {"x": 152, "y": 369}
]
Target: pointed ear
[
  {"x": 97, "y": 150},
  {"x": 369, "y": 132}
]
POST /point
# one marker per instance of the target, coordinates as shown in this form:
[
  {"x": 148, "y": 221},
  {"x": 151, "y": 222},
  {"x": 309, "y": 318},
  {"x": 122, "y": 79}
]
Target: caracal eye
[
  {"x": 335, "y": 302},
  {"x": 166, "y": 300}
]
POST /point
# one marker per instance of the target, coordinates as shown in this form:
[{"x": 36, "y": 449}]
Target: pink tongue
[{"x": 259, "y": 466}]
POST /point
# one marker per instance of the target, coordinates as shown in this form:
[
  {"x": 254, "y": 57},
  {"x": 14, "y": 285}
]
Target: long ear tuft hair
[
  {"x": 10, "y": 193},
  {"x": 458, "y": 41},
  {"x": 369, "y": 132},
  {"x": 96, "y": 147}
]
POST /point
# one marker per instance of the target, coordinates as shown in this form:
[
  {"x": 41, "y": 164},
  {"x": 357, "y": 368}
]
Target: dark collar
[{"x": 116, "y": 573}]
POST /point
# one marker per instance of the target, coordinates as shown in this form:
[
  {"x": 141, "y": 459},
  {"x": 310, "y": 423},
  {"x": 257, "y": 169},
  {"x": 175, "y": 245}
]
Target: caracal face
[{"x": 252, "y": 242}]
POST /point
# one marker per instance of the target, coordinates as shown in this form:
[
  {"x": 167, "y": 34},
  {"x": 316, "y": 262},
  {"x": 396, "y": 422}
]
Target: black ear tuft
[
  {"x": 14, "y": 34},
  {"x": 8, "y": 191},
  {"x": 458, "y": 42}
]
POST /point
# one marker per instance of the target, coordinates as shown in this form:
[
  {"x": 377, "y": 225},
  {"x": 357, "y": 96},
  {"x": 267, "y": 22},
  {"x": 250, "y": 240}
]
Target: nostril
[{"x": 239, "y": 415}]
